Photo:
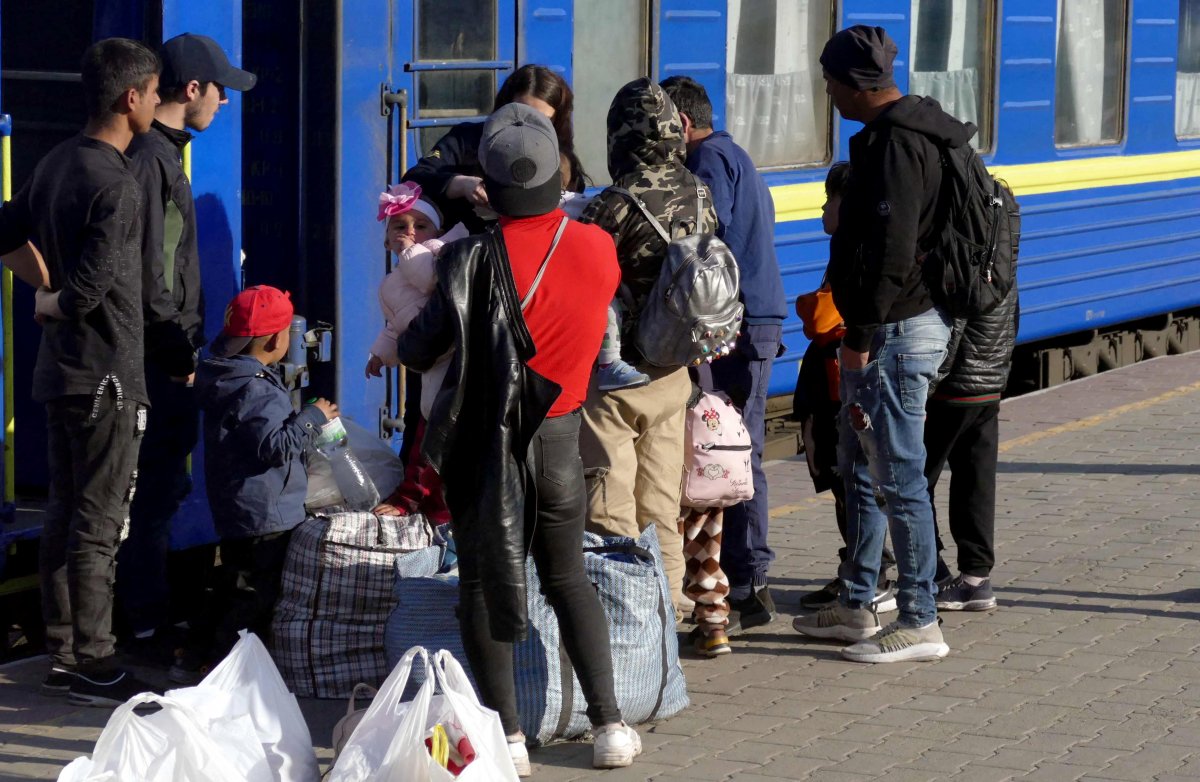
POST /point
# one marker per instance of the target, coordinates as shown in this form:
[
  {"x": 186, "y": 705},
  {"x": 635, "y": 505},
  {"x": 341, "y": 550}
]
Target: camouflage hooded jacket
[{"x": 645, "y": 156}]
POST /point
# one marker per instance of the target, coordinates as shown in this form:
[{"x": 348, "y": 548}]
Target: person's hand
[
  {"x": 185, "y": 380},
  {"x": 852, "y": 359},
  {"x": 468, "y": 187},
  {"x": 374, "y": 366},
  {"x": 328, "y": 408},
  {"x": 386, "y": 509},
  {"x": 45, "y": 305}
]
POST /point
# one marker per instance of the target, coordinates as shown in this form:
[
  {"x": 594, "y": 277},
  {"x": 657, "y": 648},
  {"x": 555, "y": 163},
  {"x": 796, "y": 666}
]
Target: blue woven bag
[
  {"x": 634, "y": 593},
  {"x": 636, "y": 600}
]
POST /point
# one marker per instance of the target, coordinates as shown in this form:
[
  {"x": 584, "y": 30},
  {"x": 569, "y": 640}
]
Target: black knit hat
[{"x": 860, "y": 57}]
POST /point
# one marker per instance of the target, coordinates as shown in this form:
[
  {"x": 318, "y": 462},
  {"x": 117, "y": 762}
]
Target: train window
[
  {"x": 952, "y": 59},
  {"x": 455, "y": 30},
  {"x": 612, "y": 48},
  {"x": 775, "y": 101},
  {"x": 1187, "y": 86},
  {"x": 1090, "y": 73}
]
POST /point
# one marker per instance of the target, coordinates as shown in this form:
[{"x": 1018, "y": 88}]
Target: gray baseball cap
[{"x": 519, "y": 156}]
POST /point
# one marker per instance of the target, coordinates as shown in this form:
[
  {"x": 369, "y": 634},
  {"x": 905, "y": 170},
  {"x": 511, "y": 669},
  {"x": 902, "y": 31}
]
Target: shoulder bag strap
[
  {"x": 645, "y": 211},
  {"x": 542, "y": 270},
  {"x": 700, "y": 209}
]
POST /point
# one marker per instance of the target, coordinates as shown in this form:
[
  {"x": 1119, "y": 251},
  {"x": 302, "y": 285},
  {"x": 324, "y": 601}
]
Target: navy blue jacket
[
  {"x": 254, "y": 446},
  {"x": 746, "y": 215}
]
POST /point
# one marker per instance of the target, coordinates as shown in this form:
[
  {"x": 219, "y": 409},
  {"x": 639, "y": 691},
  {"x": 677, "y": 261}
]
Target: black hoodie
[{"x": 889, "y": 216}]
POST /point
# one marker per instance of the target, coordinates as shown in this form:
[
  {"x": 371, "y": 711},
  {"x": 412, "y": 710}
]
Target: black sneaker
[
  {"x": 754, "y": 611},
  {"x": 105, "y": 689},
  {"x": 958, "y": 595},
  {"x": 189, "y": 669},
  {"x": 58, "y": 681},
  {"x": 819, "y": 598}
]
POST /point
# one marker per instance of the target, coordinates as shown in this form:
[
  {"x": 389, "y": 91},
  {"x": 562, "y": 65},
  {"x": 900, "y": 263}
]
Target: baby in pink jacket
[{"x": 414, "y": 234}]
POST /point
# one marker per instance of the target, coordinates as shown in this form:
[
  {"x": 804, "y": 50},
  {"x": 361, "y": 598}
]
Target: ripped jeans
[{"x": 881, "y": 455}]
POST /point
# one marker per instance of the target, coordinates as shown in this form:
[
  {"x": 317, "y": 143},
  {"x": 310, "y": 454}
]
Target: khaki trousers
[{"x": 632, "y": 449}]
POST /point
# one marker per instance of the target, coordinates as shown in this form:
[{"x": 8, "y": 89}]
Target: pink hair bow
[{"x": 398, "y": 199}]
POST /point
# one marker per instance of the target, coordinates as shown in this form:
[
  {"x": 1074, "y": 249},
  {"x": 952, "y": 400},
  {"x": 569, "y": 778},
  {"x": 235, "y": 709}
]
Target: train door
[{"x": 449, "y": 59}]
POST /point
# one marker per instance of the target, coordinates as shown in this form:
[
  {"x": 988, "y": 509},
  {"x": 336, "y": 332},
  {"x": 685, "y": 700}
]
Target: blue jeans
[
  {"x": 745, "y": 374},
  {"x": 883, "y": 464}
]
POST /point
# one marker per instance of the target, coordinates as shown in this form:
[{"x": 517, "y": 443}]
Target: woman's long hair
[{"x": 540, "y": 82}]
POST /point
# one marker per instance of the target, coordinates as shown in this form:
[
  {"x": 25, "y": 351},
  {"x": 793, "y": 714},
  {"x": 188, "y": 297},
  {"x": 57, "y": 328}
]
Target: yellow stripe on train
[{"x": 803, "y": 202}]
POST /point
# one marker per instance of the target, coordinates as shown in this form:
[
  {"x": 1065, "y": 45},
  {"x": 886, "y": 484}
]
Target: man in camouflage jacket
[{"x": 632, "y": 439}]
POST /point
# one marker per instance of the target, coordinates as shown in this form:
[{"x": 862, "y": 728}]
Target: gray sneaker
[
  {"x": 898, "y": 644},
  {"x": 839, "y": 622}
]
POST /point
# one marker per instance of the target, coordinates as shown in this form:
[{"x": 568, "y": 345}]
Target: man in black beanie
[{"x": 895, "y": 341}]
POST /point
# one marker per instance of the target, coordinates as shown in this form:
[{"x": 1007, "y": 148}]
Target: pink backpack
[{"x": 716, "y": 460}]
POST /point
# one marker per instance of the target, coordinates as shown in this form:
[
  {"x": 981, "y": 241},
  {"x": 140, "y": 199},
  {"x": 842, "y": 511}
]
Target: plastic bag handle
[{"x": 362, "y": 689}]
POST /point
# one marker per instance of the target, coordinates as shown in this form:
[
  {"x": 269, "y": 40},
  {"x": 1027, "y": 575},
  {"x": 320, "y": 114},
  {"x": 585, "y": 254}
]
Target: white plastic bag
[
  {"x": 171, "y": 745},
  {"x": 247, "y": 683},
  {"x": 389, "y": 743},
  {"x": 375, "y": 455}
]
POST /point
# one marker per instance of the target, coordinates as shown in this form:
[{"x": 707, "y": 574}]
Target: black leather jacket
[
  {"x": 485, "y": 415},
  {"x": 979, "y": 355}
]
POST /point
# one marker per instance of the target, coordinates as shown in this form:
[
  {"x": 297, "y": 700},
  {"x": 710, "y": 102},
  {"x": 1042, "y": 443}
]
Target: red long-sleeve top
[{"x": 569, "y": 310}]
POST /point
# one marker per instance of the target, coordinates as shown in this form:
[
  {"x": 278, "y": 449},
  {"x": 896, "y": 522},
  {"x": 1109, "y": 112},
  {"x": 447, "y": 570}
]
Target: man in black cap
[
  {"x": 895, "y": 341},
  {"x": 196, "y": 74}
]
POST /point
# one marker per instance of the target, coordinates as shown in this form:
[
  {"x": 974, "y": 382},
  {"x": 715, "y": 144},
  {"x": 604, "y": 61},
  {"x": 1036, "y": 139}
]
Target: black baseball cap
[
  {"x": 519, "y": 157},
  {"x": 191, "y": 57}
]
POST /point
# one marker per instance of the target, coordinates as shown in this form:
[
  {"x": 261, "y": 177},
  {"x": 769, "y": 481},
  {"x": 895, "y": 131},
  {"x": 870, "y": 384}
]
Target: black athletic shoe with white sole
[
  {"x": 58, "y": 681},
  {"x": 958, "y": 595},
  {"x": 105, "y": 689}
]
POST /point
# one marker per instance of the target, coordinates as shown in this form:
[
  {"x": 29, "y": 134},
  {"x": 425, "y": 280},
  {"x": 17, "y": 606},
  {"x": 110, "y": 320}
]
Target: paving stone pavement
[{"x": 1090, "y": 669}]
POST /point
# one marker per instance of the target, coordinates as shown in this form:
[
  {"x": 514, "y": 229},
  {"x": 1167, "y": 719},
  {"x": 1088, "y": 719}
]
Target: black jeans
[
  {"x": 966, "y": 438},
  {"x": 92, "y": 442},
  {"x": 554, "y": 517},
  {"x": 744, "y": 375},
  {"x": 163, "y": 482},
  {"x": 245, "y": 589}
]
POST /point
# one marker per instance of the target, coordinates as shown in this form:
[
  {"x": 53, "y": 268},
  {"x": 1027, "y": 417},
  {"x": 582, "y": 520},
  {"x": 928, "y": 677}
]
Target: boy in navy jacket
[{"x": 254, "y": 444}]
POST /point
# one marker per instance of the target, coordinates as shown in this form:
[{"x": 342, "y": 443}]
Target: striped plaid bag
[{"x": 336, "y": 595}]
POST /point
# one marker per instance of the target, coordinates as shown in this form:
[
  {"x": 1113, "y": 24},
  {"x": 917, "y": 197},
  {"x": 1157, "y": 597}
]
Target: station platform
[{"x": 1089, "y": 668}]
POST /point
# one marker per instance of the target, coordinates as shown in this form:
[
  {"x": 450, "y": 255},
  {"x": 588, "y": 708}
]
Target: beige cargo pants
[{"x": 632, "y": 448}]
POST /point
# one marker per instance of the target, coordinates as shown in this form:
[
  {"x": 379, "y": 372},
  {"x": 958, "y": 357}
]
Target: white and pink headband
[{"x": 406, "y": 197}]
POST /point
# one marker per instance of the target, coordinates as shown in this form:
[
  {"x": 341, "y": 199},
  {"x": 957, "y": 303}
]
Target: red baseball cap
[{"x": 258, "y": 311}]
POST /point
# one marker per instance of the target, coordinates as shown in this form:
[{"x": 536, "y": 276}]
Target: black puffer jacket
[
  {"x": 646, "y": 152},
  {"x": 979, "y": 356},
  {"x": 490, "y": 406}
]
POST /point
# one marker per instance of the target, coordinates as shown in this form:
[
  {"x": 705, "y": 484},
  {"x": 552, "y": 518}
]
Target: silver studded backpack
[{"x": 693, "y": 312}]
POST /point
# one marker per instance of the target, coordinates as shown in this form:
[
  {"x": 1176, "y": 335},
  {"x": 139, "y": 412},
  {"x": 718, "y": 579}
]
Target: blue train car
[{"x": 1090, "y": 109}]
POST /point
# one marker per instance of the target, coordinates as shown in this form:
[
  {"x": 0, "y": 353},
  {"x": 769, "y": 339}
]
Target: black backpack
[{"x": 972, "y": 264}]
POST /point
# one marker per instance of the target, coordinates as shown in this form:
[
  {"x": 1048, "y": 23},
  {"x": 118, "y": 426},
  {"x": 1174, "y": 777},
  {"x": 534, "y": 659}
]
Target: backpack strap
[
  {"x": 542, "y": 269},
  {"x": 645, "y": 212}
]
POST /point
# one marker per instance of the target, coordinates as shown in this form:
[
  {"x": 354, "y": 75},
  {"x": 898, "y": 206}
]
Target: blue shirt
[{"x": 747, "y": 222}]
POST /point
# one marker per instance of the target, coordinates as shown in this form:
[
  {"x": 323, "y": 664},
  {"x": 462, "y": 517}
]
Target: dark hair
[
  {"x": 177, "y": 93},
  {"x": 577, "y": 181},
  {"x": 690, "y": 97},
  {"x": 112, "y": 66},
  {"x": 538, "y": 81},
  {"x": 837, "y": 179}
]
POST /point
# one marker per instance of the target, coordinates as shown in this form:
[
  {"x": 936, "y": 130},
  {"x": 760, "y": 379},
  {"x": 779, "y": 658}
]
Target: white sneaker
[
  {"x": 898, "y": 644},
  {"x": 520, "y": 758},
  {"x": 885, "y": 598},
  {"x": 616, "y": 746}
]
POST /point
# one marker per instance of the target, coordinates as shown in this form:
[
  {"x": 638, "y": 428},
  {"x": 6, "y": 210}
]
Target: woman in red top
[{"x": 525, "y": 307}]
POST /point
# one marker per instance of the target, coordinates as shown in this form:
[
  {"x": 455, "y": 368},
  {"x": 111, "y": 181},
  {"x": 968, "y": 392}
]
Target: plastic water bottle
[{"x": 357, "y": 488}]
